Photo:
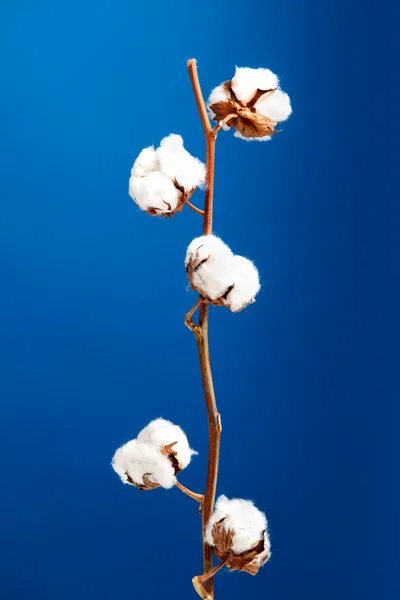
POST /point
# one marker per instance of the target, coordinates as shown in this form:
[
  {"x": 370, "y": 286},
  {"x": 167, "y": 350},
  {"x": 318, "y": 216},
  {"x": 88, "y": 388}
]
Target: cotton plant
[{"x": 161, "y": 183}]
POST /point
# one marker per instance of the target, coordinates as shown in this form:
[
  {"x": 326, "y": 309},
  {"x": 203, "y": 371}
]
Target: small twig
[
  {"x": 198, "y": 497},
  {"x": 199, "y": 580},
  {"x": 220, "y": 124},
  {"x": 188, "y": 317},
  {"x": 196, "y": 210},
  {"x": 205, "y": 576}
]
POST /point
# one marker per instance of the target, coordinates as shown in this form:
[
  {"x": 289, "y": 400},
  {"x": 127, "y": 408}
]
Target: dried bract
[{"x": 252, "y": 103}]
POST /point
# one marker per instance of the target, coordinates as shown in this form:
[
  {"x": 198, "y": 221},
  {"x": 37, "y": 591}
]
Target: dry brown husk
[{"x": 245, "y": 118}]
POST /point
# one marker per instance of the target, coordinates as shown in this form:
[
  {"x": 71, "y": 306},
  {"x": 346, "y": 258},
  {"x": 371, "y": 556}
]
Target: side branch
[
  {"x": 193, "y": 207},
  {"x": 199, "y": 580},
  {"x": 198, "y": 497},
  {"x": 190, "y": 324}
]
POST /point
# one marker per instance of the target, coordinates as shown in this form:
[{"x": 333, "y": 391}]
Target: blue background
[{"x": 93, "y": 295}]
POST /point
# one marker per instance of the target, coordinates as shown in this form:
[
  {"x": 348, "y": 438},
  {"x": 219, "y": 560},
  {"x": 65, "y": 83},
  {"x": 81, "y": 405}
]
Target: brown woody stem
[
  {"x": 201, "y": 335},
  {"x": 198, "y": 497}
]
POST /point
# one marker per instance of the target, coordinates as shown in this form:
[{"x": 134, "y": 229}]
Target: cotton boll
[
  {"x": 219, "y": 275},
  {"x": 159, "y": 178},
  {"x": 265, "y": 138},
  {"x": 145, "y": 162},
  {"x": 239, "y": 101},
  {"x": 207, "y": 245},
  {"x": 178, "y": 165},
  {"x": 137, "y": 459},
  {"x": 237, "y": 531},
  {"x": 247, "y": 81},
  {"x": 213, "y": 278},
  {"x": 154, "y": 458},
  {"x": 154, "y": 191},
  {"x": 161, "y": 433},
  {"x": 149, "y": 460},
  {"x": 247, "y": 523},
  {"x": 247, "y": 284},
  {"x": 276, "y": 106}
]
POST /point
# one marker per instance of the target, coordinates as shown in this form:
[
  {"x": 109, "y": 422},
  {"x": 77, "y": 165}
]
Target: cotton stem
[{"x": 201, "y": 335}]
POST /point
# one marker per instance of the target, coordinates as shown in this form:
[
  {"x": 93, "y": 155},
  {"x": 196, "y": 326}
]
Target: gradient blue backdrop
[{"x": 93, "y": 295}]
